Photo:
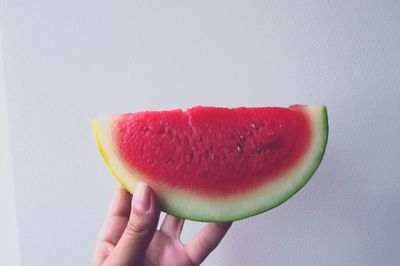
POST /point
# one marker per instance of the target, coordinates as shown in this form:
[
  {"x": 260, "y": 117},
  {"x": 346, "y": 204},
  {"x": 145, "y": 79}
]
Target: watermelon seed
[
  {"x": 254, "y": 126},
  {"x": 242, "y": 138},
  {"x": 239, "y": 148},
  {"x": 212, "y": 156},
  {"x": 258, "y": 149},
  {"x": 280, "y": 125},
  {"x": 146, "y": 129}
]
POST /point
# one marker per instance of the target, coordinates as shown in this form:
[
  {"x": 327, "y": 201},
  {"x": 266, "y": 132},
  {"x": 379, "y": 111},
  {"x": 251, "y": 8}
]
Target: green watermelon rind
[{"x": 189, "y": 206}]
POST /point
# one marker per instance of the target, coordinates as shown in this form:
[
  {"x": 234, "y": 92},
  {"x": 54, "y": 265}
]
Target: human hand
[{"x": 130, "y": 235}]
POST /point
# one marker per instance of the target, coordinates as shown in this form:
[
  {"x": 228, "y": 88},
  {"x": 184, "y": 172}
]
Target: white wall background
[
  {"x": 68, "y": 60},
  {"x": 9, "y": 248}
]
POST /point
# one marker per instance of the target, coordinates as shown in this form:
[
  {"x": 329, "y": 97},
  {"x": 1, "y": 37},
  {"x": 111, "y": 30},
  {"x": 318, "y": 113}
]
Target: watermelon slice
[{"x": 215, "y": 164}]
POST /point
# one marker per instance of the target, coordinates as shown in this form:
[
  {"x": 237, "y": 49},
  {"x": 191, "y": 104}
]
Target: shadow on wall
[{"x": 292, "y": 232}]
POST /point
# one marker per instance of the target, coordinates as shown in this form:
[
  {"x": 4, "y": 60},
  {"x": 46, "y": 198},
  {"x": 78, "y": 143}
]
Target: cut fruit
[{"x": 215, "y": 164}]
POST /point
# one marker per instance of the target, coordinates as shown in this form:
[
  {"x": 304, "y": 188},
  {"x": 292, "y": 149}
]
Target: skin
[{"x": 130, "y": 235}]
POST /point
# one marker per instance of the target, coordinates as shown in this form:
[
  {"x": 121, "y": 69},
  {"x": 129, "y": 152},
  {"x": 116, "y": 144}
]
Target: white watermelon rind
[{"x": 192, "y": 206}]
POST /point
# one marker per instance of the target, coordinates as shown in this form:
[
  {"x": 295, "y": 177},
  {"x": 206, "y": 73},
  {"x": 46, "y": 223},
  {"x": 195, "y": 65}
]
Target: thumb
[{"x": 143, "y": 220}]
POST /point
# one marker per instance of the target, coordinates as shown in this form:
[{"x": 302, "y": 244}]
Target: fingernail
[{"x": 141, "y": 197}]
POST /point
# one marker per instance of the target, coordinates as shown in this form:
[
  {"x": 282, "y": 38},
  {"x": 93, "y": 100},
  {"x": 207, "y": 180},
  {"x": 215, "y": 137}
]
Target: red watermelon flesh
[
  {"x": 214, "y": 150},
  {"x": 216, "y": 164}
]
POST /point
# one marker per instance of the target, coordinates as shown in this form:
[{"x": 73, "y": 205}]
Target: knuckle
[{"x": 137, "y": 228}]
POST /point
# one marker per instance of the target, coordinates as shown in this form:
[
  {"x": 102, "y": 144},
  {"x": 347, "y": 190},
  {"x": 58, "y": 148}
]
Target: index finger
[
  {"x": 121, "y": 203},
  {"x": 114, "y": 226},
  {"x": 117, "y": 217}
]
